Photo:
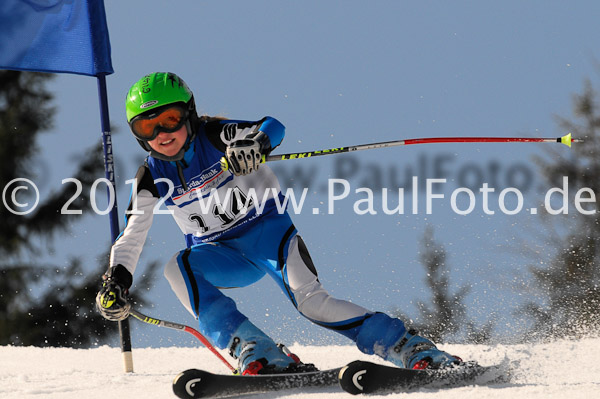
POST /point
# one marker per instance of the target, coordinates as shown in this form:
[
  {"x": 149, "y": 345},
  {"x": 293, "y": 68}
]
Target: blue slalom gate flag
[{"x": 68, "y": 36}]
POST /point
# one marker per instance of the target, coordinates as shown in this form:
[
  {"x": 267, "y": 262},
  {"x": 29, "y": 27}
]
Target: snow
[{"x": 563, "y": 369}]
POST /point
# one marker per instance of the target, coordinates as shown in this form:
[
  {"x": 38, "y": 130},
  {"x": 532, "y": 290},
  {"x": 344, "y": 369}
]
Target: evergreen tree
[
  {"x": 447, "y": 312},
  {"x": 446, "y": 316},
  {"x": 41, "y": 304},
  {"x": 570, "y": 284}
]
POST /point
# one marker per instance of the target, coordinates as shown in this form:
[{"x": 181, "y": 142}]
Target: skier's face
[{"x": 169, "y": 144}]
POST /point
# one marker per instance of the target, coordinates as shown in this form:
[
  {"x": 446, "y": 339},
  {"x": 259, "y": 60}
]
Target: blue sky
[{"x": 339, "y": 73}]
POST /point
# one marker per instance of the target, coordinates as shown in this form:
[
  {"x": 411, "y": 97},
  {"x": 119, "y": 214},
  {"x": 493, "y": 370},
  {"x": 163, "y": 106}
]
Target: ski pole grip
[{"x": 224, "y": 164}]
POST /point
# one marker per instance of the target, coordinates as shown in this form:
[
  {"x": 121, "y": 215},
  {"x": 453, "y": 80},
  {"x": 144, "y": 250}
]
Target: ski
[
  {"x": 194, "y": 383},
  {"x": 366, "y": 377}
]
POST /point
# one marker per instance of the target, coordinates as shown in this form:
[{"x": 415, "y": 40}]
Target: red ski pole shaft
[{"x": 181, "y": 327}]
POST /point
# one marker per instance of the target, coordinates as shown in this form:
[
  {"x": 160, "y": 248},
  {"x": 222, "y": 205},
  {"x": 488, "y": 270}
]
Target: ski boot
[
  {"x": 412, "y": 351},
  {"x": 389, "y": 338},
  {"x": 258, "y": 354}
]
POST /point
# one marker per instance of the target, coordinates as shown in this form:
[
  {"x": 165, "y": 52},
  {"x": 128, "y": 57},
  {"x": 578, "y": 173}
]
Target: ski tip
[
  {"x": 351, "y": 377},
  {"x": 186, "y": 384}
]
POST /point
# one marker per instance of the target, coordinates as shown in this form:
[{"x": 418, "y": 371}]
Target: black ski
[
  {"x": 195, "y": 383},
  {"x": 366, "y": 377}
]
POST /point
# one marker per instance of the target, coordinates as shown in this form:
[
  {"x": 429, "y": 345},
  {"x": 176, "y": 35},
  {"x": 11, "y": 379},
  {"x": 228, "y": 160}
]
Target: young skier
[{"x": 228, "y": 245}]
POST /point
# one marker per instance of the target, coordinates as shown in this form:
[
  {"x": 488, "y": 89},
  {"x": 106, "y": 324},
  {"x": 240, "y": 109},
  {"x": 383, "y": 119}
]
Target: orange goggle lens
[{"x": 147, "y": 128}]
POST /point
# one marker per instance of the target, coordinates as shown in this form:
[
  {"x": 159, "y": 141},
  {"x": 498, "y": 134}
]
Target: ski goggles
[{"x": 169, "y": 120}]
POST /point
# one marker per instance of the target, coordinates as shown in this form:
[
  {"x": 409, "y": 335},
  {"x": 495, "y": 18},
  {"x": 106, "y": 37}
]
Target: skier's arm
[
  {"x": 274, "y": 130},
  {"x": 128, "y": 246},
  {"x": 222, "y": 133},
  {"x": 111, "y": 300}
]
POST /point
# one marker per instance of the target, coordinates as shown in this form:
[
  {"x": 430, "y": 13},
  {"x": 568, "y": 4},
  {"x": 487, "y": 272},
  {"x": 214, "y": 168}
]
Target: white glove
[{"x": 244, "y": 156}]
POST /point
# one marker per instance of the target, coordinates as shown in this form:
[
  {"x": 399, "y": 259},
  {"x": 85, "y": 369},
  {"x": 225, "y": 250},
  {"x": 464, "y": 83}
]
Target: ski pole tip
[{"x": 567, "y": 140}]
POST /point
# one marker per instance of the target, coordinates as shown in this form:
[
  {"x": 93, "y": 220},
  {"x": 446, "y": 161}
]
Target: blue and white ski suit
[{"x": 227, "y": 247}]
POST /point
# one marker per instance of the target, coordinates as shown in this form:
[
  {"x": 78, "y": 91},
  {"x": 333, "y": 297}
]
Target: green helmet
[{"x": 156, "y": 90}]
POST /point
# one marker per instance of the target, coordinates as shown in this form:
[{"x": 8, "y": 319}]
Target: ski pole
[
  {"x": 566, "y": 140},
  {"x": 181, "y": 327}
]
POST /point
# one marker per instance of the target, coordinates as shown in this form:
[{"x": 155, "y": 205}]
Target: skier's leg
[
  {"x": 301, "y": 282},
  {"x": 374, "y": 333},
  {"x": 196, "y": 276}
]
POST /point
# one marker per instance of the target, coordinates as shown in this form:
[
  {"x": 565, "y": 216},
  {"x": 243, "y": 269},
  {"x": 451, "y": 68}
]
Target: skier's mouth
[{"x": 167, "y": 142}]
